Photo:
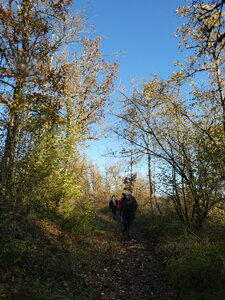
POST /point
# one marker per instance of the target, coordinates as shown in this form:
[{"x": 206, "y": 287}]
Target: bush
[
  {"x": 195, "y": 263},
  {"x": 156, "y": 227},
  {"x": 34, "y": 262},
  {"x": 196, "y": 268},
  {"x": 81, "y": 219}
]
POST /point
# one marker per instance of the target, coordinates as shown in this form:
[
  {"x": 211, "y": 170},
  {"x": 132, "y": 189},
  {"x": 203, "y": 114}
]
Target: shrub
[
  {"x": 197, "y": 268},
  {"x": 81, "y": 219}
]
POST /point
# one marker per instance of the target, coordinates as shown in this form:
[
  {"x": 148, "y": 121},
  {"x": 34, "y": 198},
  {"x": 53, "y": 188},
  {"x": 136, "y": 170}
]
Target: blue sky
[
  {"x": 142, "y": 33},
  {"x": 142, "y": 30}
]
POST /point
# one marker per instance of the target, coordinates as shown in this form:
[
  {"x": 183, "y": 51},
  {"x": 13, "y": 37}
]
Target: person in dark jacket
[
  {"x": 128, "y": 209},
  {"x": 113, "y": 205}
]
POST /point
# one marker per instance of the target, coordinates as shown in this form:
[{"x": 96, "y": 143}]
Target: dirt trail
[{"x": 134, "y": 273}]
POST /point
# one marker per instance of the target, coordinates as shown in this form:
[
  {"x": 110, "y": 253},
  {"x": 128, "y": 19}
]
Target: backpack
[{"x": 129, "y": 203}]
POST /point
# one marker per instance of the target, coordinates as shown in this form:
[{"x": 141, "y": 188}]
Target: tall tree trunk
[
  {"x": 9, "y": 155},
  {"x": 150, "y": 182}
]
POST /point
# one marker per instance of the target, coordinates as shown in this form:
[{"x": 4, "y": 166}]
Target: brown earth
[{"x": 131, "y": 271}]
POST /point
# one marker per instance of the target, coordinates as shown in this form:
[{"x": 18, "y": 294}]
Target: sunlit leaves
[{"x": 46, "y": 88}]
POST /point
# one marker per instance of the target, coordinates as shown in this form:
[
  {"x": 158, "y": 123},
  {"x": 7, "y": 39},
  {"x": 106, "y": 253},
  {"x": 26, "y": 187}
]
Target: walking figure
[
  {"x": 128, "y": 209},
  {"x": 113, "y": 205},
  {"x": 119, "y": 208}
]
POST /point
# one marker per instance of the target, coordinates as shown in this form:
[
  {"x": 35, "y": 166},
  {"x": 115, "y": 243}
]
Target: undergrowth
[
  {"x": 43, "y": 256},
  {"x": 195, "y": 262}
]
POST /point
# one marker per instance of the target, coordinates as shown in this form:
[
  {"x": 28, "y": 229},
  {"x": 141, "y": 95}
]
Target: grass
[
  {"x": 42, "y": 259},
  {"x": 46, "y": 257},
  {"x": 195, "y": 262}
]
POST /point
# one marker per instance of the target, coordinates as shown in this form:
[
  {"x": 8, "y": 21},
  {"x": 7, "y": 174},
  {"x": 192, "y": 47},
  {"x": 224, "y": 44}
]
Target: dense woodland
[{"x": 55, "y": 87}]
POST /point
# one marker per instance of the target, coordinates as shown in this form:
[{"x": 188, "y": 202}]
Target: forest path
[{"x": 131, "y": 271}]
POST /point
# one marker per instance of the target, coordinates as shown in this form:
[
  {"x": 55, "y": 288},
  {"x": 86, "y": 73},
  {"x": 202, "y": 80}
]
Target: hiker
[
  {"x": 113, "y": 205},
  {"x": 128, "y": 208},
  {"x": 119, "y": 208}
]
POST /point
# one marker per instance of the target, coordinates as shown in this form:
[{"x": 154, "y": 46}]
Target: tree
[
  {"x": 203, "y": 34},
  {"x": 114, "y": 178},
  {"x": 31, "y": 33},
  {"x": 190, "y": 177},
  {"x": 138, "y": 123},
  {"x": 43, "y": 90},
  {"x": 205, "y": 24},
  {"x": 96, "y": 180}
]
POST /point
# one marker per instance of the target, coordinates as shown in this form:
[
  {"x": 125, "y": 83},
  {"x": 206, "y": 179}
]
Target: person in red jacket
[{"x": 119, "y": 208}]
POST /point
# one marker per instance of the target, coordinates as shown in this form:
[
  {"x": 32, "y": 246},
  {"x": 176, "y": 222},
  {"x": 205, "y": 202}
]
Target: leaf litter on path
[{"x": 134, "y": 272}]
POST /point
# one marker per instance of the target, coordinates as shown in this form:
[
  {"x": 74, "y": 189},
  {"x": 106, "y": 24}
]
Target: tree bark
[
  {"x": 150, "y": 183},
  {"x": 9, "y": 154}
]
